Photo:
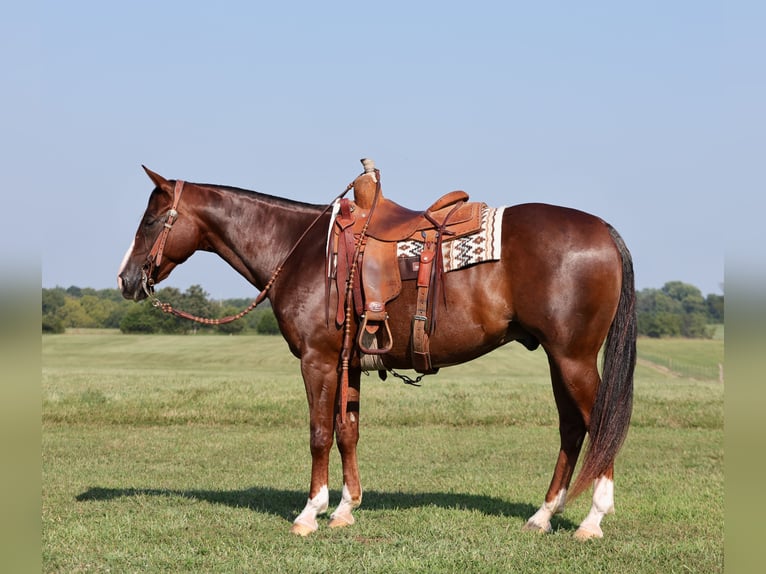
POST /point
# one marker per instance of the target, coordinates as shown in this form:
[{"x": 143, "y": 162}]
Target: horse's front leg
[
  {"x": 321, "y": 380},
  {"x": 347, "y": 436}
]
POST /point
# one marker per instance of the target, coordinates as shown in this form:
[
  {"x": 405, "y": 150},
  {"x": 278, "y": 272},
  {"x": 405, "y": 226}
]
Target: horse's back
[{"x": 554, "y": 222}]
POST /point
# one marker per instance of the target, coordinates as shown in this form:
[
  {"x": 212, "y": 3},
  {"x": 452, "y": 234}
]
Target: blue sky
[{"x": 647, "y": 114}]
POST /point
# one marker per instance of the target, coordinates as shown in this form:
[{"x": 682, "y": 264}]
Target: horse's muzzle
[{"x": 131, "y": 287}]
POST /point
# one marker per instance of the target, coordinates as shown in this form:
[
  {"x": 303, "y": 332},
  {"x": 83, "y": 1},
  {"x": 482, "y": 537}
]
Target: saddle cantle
[{"x": 370, "y": 227}]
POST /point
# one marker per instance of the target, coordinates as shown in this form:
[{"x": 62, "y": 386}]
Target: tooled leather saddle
[{"x": 367, "y": 272}]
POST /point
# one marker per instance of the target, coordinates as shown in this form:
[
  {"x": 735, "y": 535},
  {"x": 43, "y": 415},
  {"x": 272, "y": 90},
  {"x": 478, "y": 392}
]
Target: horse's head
[{"x": 166, "y": 237}]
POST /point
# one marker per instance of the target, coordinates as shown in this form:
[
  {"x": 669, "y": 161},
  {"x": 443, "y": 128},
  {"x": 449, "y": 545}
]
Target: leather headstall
[{"x": 154, "y": 258}]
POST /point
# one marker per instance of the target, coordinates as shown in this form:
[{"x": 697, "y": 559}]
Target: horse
[{"x": 564, "y": 282}]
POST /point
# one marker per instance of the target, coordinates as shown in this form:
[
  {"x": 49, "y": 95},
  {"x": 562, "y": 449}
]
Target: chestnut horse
[{"x": 564, "y": 282}]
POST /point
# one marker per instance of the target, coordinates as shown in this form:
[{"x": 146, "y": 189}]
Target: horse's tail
[{"x": 612, "y": 409}]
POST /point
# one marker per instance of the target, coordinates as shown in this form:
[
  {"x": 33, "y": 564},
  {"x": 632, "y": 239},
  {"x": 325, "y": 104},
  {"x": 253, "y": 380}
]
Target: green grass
[{"x": 174, "y": 454}]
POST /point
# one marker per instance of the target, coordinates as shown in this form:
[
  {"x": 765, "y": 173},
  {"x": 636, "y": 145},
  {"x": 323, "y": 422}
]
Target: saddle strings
[{"x": 345, "y": 353}]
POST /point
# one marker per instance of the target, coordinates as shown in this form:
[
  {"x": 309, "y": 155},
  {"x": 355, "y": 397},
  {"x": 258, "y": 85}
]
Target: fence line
[{"x": 689, "y": 370}]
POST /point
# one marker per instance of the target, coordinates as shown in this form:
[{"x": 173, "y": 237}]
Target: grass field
[{"x": 190, "y": 454}]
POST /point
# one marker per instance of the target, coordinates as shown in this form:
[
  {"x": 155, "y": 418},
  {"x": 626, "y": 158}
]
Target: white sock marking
[
  {"x": 343, "y": 512},
  {"x": 542, "y": 518},
  {"x": 603, "y": 504},
  {"x": 314, "y": 507}
]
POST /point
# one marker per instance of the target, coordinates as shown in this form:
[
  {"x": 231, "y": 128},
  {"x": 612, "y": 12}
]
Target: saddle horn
[{"x": 368, "y": 165}]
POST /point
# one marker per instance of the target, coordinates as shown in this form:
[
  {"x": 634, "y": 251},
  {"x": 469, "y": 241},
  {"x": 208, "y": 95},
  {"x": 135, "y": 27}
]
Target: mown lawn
[{"x": 190, "y": 453}]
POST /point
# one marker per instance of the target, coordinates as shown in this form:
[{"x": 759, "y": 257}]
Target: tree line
[
  {"x": 676, "y": 310},
  {"x": 76, "y": 307}
]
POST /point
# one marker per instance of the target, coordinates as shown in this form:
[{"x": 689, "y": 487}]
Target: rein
[{"x": 154, "y": 258}]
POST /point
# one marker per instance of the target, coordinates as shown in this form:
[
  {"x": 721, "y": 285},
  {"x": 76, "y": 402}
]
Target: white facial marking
[{"x": 124, "y": 263}]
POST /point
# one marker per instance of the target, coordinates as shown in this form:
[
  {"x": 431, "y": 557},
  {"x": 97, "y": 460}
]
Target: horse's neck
[{"x": 254, "y": 233}]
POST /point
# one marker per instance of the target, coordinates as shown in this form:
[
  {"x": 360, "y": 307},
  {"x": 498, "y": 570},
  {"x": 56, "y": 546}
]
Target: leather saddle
[{"x": 370, "y": 227}]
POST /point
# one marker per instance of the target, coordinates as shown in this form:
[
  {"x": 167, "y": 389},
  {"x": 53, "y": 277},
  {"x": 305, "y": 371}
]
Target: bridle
[{"x": 154, "y": 258}]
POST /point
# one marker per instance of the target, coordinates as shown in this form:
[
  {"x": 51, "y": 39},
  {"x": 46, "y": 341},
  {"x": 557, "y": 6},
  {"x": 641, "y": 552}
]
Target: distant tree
[
  {"x": 233, "y": 327},
  {"x": 251, "y": 320},
  {"x": 267, "y": 325},
  {"x": 53, "y": 300},
  {"x": 97, "y": 309},
  {"x": 695, "y": 326},
  {"x": 658, "y": 314},
  {"x": 111, "y": 295},
  {"x": 117, "y": 310},
  {"x": 237, "y": 303},
  {"x": 678, "y": 309},
  {"x": 195, "y": 301},
  {"x": 52, "y": 324},
  {"x": 74, "y": 291},
  {"x": 144, "y": 318},
  {"x": 74, "y": 315},
  {"x": 140, "y": 319},
  {"x": 714, "y": 305}
]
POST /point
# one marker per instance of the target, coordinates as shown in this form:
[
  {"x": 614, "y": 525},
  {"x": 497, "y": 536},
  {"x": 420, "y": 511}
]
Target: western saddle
[{"x": 362, "y": 254}]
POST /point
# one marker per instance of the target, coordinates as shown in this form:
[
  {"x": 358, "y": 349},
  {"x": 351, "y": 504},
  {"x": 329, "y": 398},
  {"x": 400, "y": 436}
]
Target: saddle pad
[{"x": 467, "y": 250}]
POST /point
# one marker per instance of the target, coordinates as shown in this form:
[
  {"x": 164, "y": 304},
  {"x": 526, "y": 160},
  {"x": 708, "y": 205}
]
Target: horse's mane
[{"x": 265, "y": 197}]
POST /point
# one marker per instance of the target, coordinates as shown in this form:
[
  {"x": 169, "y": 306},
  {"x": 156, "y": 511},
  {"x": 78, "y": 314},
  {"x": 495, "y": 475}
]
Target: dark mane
[{"x": 271, "y": 199}]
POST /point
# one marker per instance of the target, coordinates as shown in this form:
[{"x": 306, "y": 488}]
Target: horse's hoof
[
  {"x": 589, "y": 532},
  {"x": 303, "y": 529},
  {"x": 337, "y": 521},
  {"x": 531, "y": 526}
]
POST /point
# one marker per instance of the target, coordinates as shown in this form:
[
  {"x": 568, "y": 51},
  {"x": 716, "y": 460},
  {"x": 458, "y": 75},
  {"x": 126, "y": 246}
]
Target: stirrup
[{"x": 372, "y": 348}]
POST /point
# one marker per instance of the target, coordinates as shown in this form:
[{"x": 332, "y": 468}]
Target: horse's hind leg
[
  {"x": 603, "y": 504},
  {"x": 347, "y": 437},
  {"x": 574, "y": 388}
]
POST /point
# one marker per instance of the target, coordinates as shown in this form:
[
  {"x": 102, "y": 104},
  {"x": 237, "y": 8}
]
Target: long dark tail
[{"x": 612, "y": 409}]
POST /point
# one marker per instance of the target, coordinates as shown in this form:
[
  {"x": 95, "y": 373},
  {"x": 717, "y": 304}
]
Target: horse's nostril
[{"x": 124, "y": 283}]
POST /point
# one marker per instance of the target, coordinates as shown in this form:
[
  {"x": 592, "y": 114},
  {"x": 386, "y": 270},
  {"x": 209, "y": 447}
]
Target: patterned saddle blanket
[{"x": 484, "y": 245}]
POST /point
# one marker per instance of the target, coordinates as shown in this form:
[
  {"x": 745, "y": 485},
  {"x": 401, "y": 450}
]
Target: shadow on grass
[{"x": 277, "y": 502}]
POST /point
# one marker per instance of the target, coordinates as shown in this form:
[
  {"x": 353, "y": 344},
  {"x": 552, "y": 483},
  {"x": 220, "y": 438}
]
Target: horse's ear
[{"x": 158, "y": 180}]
